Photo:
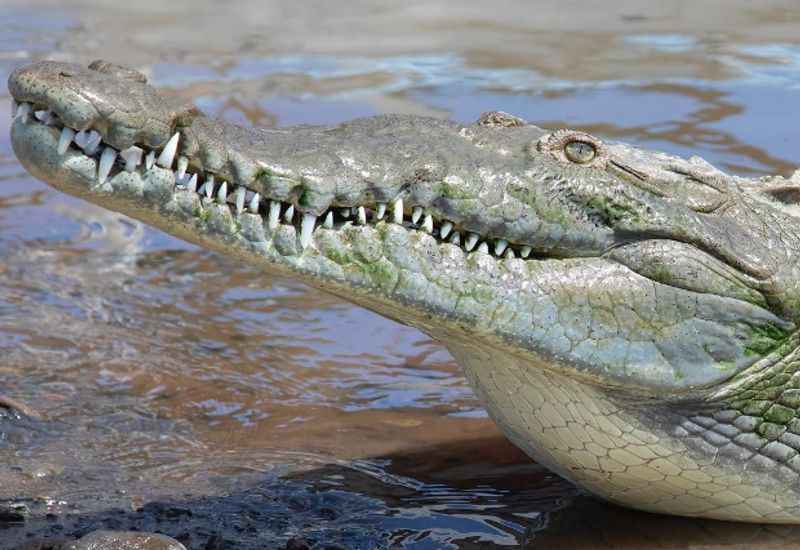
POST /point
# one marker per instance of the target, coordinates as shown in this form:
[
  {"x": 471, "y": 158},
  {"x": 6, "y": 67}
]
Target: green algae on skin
[
  {"x": 381, "y": 272},
  {"x": 455, "y": 192},
  {"x": 612, "y": 212},
  {"x": 765, "y": 339},
  {"x": 779, "y": 414}
]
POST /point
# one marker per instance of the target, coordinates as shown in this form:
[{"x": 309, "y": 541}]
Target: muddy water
[{"x": 184, "y": 393}]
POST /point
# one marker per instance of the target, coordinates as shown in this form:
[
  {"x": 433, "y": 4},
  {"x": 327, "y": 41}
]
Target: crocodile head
[{"x": 653, "y": 280}]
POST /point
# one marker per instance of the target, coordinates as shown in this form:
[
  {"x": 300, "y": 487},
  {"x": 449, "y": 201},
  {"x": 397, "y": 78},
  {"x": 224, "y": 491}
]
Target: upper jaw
[{"x": 276, "y": 200}]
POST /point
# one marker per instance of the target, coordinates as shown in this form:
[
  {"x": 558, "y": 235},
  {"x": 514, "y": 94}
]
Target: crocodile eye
[
  {"x": 580, "y": 152},
  {"x": 573, "y": 147}
]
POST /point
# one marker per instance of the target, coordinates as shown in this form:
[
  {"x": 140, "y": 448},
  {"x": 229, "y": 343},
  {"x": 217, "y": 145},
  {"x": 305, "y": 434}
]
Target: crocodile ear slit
[{"x": 786, "y": 193}]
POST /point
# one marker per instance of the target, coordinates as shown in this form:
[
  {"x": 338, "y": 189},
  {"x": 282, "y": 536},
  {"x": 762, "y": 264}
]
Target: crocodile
[{"x": 629, "y": 318}]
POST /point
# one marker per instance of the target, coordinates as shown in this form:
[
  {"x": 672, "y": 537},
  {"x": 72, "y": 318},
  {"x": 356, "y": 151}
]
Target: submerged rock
[
  {"x": 13, "y": 512},
  {"x": 125, "y": 540}
]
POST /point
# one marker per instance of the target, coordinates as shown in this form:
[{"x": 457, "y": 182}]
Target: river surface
[{"x": 184, "y": 393}]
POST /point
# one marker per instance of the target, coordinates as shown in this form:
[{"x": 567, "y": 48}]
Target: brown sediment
[{"x": 18, "y": 406}]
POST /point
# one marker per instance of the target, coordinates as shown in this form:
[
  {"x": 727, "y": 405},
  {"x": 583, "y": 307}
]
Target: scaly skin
[{"x": 628, "y": 317}]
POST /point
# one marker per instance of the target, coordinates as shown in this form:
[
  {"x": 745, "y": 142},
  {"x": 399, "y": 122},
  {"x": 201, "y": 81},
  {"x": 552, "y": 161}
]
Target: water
[{"x": 185, "y": 393}]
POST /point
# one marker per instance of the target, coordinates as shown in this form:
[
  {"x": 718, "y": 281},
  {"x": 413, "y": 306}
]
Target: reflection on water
[{"x": 185, "y": 393}]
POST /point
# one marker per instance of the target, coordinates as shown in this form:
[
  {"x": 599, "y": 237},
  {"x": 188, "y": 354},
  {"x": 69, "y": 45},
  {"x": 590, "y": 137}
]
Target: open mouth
[{"x": 240, "y": 199}]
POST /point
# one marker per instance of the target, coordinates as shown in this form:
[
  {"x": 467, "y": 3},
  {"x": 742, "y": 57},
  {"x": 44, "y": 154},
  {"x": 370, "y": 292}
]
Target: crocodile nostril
[{"x": 117, "y": 71}]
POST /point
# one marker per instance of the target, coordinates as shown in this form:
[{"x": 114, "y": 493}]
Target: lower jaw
[{"x": 398, "y": 272}]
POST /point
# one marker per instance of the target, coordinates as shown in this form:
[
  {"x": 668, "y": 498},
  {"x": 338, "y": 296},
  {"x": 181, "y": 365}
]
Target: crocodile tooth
[
  {"x": 107, "y": 159},
  {"x": 288, "y": 216},
  {"x": 509, "y": 255},
  {"x": 361, "y": 215},
  {"x": 24, "y": 111},
  {"x": 240, "y": 193},
  {"x": 274, "y": 214},
  {"x": 192, "y": 184},
  {"x": 344, "y": 212},
  {"x": 500, "y": 246},
  {"x": 92, "y": 142},
  {"x": 455, "y": 238},
  {"x": 398, "y": 211},
  {"x": 254, "y": 202},
  {"x": 132, "y": 157},
  {"x": 307, "y": 229},
  {"x": 445, "y": 230},
  {"x": 167, "y": 155},
  {"x": 525, "y": 251},
  {"x": 427, "y": 224},
  {"x": 65, "y": 139},
  {"x": 328, "y": 222},
  {"x": 381, "y": 211},
  {"x": 416, "y": 214},
  {"x": 183, "y": 164},
  {"x": 209, "y": 186},
  {"x": 471, "y": 241},
  {"x": 483, "y": 247},
  {"x": 45, "y": 116},
  {"x": 222, "y": 193},
  {"x": 149, "y": 160},
  {"x": 82, "y": 138}
]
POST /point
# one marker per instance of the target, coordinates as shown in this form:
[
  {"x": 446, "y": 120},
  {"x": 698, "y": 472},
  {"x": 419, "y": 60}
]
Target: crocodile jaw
[{"x": 397, "y": 263}]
